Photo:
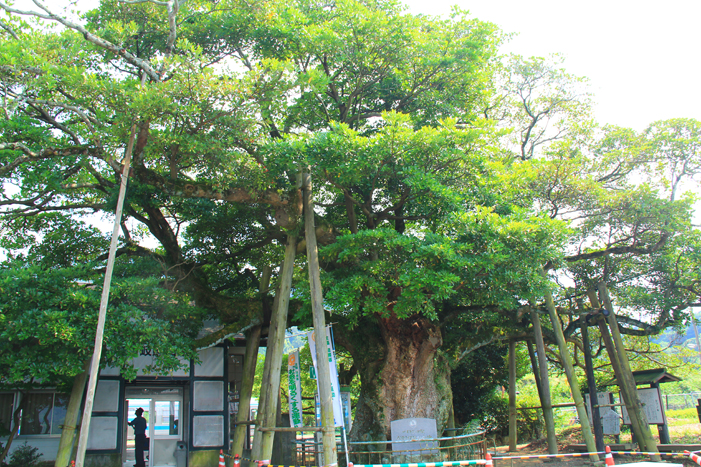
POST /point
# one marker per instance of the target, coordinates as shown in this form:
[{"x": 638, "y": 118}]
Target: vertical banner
[
  {"x": 294, "y": 381},
  {"x": 335, "y": 386}
]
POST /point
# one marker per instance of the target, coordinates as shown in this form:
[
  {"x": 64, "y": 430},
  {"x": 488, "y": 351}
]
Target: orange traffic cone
[
  {"x": 609, "y": 457},
  {"x": 221, "y": 458},
  {"x": 237, "y": 461},
  {"x": 694, "y": 457},
  {"x": 488, "y": 457}
]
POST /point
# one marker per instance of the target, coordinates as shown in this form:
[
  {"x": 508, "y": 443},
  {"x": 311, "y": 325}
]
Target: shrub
[
  {"x": 495, "y": 416},
  {"x": 24, "y": 456}
]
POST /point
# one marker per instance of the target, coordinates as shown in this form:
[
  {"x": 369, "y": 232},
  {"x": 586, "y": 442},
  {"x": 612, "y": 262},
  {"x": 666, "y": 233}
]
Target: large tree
[{"x": 435, "y": 229}]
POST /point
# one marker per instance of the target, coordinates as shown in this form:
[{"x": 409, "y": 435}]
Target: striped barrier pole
[{"x": 694, "y": 457}]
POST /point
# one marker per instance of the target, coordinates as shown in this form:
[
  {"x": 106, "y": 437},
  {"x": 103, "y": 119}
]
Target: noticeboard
[{"x": 652, "y": 405}]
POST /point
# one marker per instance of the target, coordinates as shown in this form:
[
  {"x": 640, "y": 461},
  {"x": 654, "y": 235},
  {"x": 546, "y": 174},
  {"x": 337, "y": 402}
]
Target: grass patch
[{"x": 682, "y": 417}]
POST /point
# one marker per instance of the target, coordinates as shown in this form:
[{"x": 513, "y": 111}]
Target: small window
[
  {"x": 43, "y": 413},
  {"x": 6, "y": 409}
]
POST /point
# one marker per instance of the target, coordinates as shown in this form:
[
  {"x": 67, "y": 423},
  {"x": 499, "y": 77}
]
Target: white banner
[
  {"x": 335, "y": 386},
  {"x": 294, "y": 381}
]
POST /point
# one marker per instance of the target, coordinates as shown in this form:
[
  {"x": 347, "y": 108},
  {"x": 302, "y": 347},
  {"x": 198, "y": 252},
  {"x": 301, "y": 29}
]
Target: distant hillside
[{"x": 686, "y": 338}]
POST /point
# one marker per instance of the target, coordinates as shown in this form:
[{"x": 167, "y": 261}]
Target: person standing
[{"x": 139, "y": 425}]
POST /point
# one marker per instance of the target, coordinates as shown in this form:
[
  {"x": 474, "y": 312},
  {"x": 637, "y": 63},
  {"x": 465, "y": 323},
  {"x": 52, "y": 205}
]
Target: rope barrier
[
  {"x": 641, "y": 453},
  {"x": 693, "y": 455},
  {"x": 267, "y": 463},
  {"x": 427, "y": 464},
  {"x": 549, "y": 456},
  {"x": 584, "y": 454}
]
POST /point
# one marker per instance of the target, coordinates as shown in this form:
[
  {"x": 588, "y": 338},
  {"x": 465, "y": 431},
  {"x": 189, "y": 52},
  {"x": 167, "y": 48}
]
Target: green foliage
[
  {"x": 444, "y": 181},
  {"x": 495, "y": 416},
  {"x": 49, "y": 317},
  {"x": 474, "y": 381},
  {"x": 24, "y": 456}
]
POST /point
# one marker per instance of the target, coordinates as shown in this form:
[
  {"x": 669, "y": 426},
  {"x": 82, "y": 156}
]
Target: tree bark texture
[{"x": 402, "y": 374}]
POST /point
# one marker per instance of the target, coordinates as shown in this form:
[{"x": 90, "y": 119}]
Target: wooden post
[
  {"x": 104, "y": 299},
  {"x": 330, "y": 454},
  {"x": 263, "y": 440},
  {"x": 513, "y": 434},
  {"x": 591, "y": 384},
  {"x": 613, "y": 357},
  {"x": 696, "y": 333},
  {"x": 70, "y": 423},
  {"x": 246, "y": 391},
  {"x": 633, "y": 404},
  {"x": 250, "y": 361},
  {"x": 546, "y": 400},
  {"x": 571, "y": 377},
  {"x": 662, "y": 429},
  {"x": 535, "y": 368}
]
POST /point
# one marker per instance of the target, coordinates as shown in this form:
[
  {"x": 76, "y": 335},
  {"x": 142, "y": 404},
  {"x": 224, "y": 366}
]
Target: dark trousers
[{"x": 139, "y": 448}]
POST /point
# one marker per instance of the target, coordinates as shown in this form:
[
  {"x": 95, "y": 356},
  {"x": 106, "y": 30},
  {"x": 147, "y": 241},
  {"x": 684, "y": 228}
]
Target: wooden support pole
[
  {"x": 330, "y": 454},
  {"x": 104, "y": 300},
  {"x": 571, "y": 377},
  {"x": 633, "y": 403},
  {"x": 263, "y": 441},
  {"x": 70, "y": 423},
  {"x": 250, "y": 359},
  {"x": 513, "y": 434},
  {"x": 591, "y": 384},
  {"x": 545, "y": 400},
  {"x": 611, "y": 351}
]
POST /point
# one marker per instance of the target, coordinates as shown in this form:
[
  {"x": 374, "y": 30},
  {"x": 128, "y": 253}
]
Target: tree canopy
[{"x": 446, "y": 178}]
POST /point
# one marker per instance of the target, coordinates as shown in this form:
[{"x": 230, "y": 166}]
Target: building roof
[{"x": 658, "y": 375}]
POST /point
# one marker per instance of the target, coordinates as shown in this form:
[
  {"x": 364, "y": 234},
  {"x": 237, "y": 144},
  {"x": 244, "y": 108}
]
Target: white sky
[{"x": 643, "y": 58}]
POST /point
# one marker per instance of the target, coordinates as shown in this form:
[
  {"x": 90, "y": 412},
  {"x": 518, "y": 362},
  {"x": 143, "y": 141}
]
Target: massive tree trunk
[{"x": 402, "y": 374}]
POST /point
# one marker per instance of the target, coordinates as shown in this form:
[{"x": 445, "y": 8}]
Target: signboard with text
[
  {"x": 652, "y": 405},
  {"x": 414, "y": 430},
  {"x": 294, "y": 381}
]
